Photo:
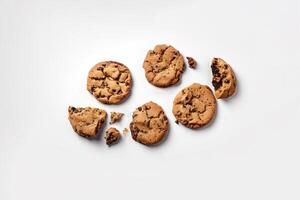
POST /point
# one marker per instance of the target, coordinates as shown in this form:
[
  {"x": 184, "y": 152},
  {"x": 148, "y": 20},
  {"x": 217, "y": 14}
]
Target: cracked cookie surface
[
  {"x": 163, "y": 66},
  {"x": 112, "y": 136},
  {"x": 110, "y": 82},
  {"x": 149, "y": 124},
  {"x": 224, "y": 80},
  {"x": 194, "y": 106},
  {"x": 86, "y": 121}
]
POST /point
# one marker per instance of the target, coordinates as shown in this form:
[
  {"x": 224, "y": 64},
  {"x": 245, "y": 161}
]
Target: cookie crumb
[
  {"x": 125, "y": 131},
  {"x": 115, "y": 117},
  {"x": 192, "y": 62},
  {"x": 112, "y": 136}
]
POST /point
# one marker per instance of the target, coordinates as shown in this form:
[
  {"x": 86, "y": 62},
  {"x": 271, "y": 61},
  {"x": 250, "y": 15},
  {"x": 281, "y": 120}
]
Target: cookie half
[
  {"x": 163, "y": 66},
  {"x": 194, "y": 106},
  {"x": 86, "y": 121},
  {"x": 149, "y": 124},
  {"x": 110, "y": 82},
  {"x": 224, "y": 80}
]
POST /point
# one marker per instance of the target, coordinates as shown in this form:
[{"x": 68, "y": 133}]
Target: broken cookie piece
[
  {"x": 224, "y": 80},
  {"x": 115, "y": 117},
  {"x": 112, "y": 136},
  {"x": 192, "y": 62},
  {"x": 86, "y": 121},
  {"x": 125, "y": 131}
]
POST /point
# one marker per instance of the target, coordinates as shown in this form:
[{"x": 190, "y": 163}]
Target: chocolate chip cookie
[
  {"x": 112, "y": 136},
  {"x": 163, "y": 66},
  {"x": 224, "y": 80},
  {"x": 194, "y": 106},
  {"x": 110, "y": 82},
  {"x": 149, "y": 124},
  {"x": 86, "y": 121}
]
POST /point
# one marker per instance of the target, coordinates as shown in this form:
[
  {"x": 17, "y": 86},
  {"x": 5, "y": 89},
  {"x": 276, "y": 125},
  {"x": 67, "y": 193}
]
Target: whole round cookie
[
  {"x": 163, "y": 66},
  {"x": 149, "y": 124},
  {"x": 194, "y": 106},
  {"x": 110, "y": 82}
]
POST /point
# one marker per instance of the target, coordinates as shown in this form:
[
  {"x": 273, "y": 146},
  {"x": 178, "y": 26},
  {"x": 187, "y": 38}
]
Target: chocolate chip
[
  {"x": 215, "y": 70},
  {"x": 217, "y": 82},
  {"x": 215, "y": 61}
]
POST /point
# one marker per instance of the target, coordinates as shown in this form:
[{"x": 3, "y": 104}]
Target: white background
[{"x": 251, "y": 150}]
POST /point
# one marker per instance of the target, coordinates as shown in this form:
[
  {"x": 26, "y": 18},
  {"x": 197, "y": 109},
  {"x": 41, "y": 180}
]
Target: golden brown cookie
[
  {"x": 115, "y": 117},
  {"x": 110, "y": 82},
  {"x": 112, "y": 136},
  {"x": 86, "y": 121},
  {"x": 192, "y": 62},
  {"x": 224, "y": 80},
  {"x": 163, "y": 66},
  {"x": 194, "y": 106},
  {"x": 149, "y": 124}
]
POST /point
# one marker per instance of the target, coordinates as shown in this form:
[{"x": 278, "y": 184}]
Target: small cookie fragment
[
  {"x": 149, "y": 124},
  {"x": 115, "y": 117},
  {"x": 224, "y": 80},
  {"x": 112, "y": 136},
  {"x": 125, "y": 131},
  {"x": 109, "y": 82},
  {"x": 163, "y": 66},
  {"x": 86, "y": 121},
  {"x": 192, "y": 62},
  {"x": 194, "y": 106}
]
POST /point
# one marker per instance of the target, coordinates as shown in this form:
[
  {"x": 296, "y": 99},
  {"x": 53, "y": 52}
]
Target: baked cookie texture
[
  {"x": 112, "y": 136},
  {"x": 110, "y": 82},
  {"x": 192, "y": 62},
  {"x": 194, "y": 106},
  {"x": 87, "y": 121},
  {"x": 115, "y": 117},
  {"x": 224, "y": 80},
  {"x": 149, "y": 124},
  {"x": 163, "y": 66}
]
